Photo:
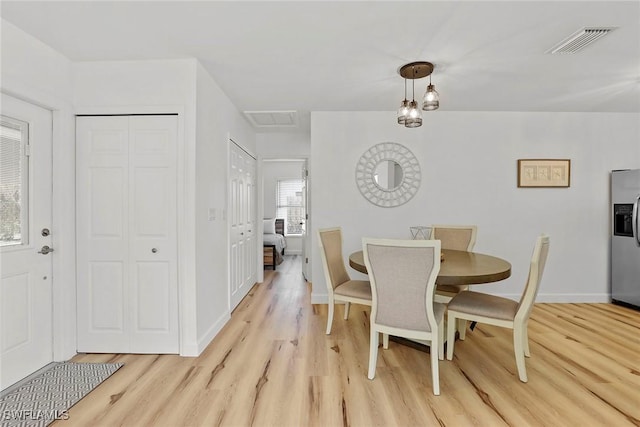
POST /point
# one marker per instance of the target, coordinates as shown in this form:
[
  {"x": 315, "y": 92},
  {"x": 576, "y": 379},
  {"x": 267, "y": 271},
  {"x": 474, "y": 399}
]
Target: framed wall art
[{"x": 544, "y": 173}]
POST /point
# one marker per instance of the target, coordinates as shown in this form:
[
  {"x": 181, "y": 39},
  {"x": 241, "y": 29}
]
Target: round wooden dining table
[{"x": 457, "y": 267}]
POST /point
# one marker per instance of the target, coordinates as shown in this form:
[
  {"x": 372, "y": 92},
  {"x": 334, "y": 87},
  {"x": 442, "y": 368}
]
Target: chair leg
[
  {"x": 373, "y": 353},
  {"x": 525, "y": 341},
  {"x": 451, "y": 334},
  {"x": 462, "y": 328},
  {"x": 330, "y": 316},
  {"x": 441, "y": 340},
  {"x": 519, "y": 352},
  {"x": 347, "y": 306},
  {"x": 435, "y": 374},
  {"x": 385, "y": 341}
]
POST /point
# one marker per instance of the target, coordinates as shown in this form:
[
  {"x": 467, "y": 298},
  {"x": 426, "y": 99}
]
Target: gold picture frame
[{"x": 538, "y": 173}]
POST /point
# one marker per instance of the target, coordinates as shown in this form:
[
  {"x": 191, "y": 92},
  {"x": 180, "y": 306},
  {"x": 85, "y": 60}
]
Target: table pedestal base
[
  {"x": 421, "y": 345},
  {"x": 414, "y": 344}
]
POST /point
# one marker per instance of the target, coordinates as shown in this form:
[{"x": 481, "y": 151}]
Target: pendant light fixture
[
  {"x": 410, "y": 114},
  {"x": 431, "y": 99}
]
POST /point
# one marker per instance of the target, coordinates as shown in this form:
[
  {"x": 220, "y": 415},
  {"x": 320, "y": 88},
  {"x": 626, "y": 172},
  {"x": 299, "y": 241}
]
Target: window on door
[
  {"x": 290, "y": 206},
  {"x": 14, "y": 184}
]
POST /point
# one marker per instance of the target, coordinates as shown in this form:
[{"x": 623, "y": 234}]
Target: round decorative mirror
[{"x": 388, "y": 174}]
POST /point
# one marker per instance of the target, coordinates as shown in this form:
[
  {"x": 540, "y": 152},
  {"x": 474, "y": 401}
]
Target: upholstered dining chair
[
  {"x": 498, "y": 311},
  {"x": 403, "y": 276},
  {"x": 339, "y": 285},
  {"x": 459, "y": 238},
  {"x": 456, "y": 237}
]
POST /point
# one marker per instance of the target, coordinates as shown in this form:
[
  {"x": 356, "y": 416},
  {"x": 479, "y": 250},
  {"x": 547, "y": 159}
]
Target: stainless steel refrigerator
[{"x": 625, "y": 238}]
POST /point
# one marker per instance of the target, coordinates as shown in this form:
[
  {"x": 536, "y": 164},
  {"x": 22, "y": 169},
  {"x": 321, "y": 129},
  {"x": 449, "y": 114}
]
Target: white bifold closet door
[
  {"x": 242, "y": 224},
  {"x": 126, "y": 234}
]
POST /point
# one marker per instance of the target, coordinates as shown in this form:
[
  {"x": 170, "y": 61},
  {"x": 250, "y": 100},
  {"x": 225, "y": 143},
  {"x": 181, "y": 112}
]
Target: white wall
[
  {"x": 283, "y": 145},
  {"x": 468, "y": 162},
  {"x": 34, "y": 72},
  {"x": 217, "y": 119},
  {"x": 272, "y": 171},
  {"x": 29, "y": 66}
]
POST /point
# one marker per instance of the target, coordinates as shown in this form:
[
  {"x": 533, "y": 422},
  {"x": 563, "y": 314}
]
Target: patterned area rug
[{"x": 48, "y": 396}]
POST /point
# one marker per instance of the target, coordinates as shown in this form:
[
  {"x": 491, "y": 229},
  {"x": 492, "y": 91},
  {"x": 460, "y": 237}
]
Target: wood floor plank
[{"x": 273, "y": 365}]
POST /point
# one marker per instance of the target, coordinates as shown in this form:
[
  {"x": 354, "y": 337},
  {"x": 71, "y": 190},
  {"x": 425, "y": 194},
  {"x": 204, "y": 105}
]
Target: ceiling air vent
[
  {"x": 581, "y": 39},
  {"x": 270, "y": 119}
]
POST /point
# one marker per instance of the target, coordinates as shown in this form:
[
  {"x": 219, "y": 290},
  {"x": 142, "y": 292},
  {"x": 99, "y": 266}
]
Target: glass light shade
[
  {"x": 413, "y": 123},
  {"x": 431, "y": 100},
  {"x": 414, "y": 117},
  {"x": 403, "y": 112}
]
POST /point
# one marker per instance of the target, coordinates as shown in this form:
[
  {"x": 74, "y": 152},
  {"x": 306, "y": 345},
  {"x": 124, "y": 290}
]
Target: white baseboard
[
  {"x": 206, "y": 339},
  {"x": 65, "y": 356},
  {"x": 195, "y": 349},
  {"x": 564, "y": 298},
  {"x": 190, "y": 350},
  {"x": 574, "y": 298}
]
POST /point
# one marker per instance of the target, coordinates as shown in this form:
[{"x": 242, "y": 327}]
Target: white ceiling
[{"x": 343, "y": 56}]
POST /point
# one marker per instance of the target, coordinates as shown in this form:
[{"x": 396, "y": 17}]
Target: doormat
[{"x": 49, "y": 395}]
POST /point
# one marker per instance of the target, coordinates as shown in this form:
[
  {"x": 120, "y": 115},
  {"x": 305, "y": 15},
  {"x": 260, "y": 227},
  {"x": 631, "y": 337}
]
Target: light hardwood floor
[{"x": 272, "y": 365}]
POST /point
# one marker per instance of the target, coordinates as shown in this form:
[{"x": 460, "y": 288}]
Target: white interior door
[
  {"x": 126, "y": 234},
  {"x": 242, "y": 217},
  {"x": 25, "y": 211}
]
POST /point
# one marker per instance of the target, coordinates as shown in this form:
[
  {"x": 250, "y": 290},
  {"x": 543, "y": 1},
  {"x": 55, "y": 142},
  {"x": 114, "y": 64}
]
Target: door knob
[
  {"x": 45, "y": 250},
  {"x": 154, "y": 250}
]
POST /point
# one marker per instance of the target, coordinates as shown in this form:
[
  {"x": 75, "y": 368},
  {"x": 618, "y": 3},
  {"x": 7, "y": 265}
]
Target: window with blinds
[
  {"x": 290, "y": 205},
  {"x": 14, "y": 184}
]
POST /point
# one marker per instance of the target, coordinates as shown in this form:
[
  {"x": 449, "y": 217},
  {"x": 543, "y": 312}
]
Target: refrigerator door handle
[{"x": 634, "y": 220}]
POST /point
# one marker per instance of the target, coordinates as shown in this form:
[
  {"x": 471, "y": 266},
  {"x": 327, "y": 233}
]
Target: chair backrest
[
  {"x": 335, "y": 272},
  {"x": 403, "y": 275},
  {"x": 456, "y": 237},
  {"x": 536, "y": 268}
]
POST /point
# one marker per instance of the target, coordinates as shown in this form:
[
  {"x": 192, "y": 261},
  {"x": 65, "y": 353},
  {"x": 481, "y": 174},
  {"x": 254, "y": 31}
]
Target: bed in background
[{"x": 273, "y": 242}]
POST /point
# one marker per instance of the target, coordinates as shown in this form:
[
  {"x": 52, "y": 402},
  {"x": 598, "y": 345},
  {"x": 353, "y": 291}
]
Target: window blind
[
  {"x": 290, "y": 206},
  {"x": 13, "y": 175}
]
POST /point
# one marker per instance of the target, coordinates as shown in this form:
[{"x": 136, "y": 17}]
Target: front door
[{"x": 25, "y": 234}]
